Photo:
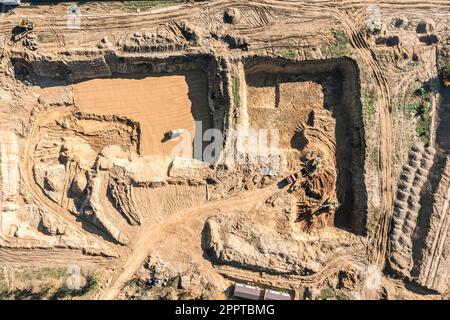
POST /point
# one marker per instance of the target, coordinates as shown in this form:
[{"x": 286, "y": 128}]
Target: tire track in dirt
[
  {"x": 332, "y": 267},
  {"x": 44, "y": 257},
  {"x": 26, "y": 170},
  {"x": 386, "y": 184},
  {"x": 152, "y": 234},
  {"x": 127, "y": 21}
]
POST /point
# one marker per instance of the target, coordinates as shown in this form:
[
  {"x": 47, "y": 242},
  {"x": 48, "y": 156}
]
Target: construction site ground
[{"x": 99, "y": 201}]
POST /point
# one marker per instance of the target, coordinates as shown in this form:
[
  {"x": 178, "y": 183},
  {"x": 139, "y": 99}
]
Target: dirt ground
[
  {"x": 159, "y": 103},
  {"x": 88, "y": 176}
]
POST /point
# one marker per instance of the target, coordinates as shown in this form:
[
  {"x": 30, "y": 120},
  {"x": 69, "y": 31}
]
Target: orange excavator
[{"x": 310, "y": 168}]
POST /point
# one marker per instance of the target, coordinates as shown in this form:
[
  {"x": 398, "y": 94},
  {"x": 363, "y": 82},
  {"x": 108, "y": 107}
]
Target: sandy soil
[
  {"x": 158, "y": 103},
  {"x": 299, "y": 30}
]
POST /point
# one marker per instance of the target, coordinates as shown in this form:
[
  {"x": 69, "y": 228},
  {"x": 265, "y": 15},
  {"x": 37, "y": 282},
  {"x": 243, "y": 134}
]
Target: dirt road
[
  {"x": 153, "y": 234},
  {"x": 45, "y": 257}
]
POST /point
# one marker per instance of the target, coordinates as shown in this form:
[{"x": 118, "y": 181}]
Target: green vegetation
[
  {"x": 3, "y": 283},
  {"x": 423, "y": 122},
  {"x": 172, "y": 289},
  {"x": 288, "y": 53},
  {"x": 288, "y": 50},
  {"x": 421, "y": 92},
  {"x": 369, "y": 103},
  {"x": 46, "y": 283},
  {"x": 339, "y": 47},
  {"x": 41, "y": 274},
  {"x": 420, "y": 111},
  {"x": 447, "y": 68},
  {"x": 169, "y": 291},
  {"x": 326, "y": 293},
  {"x": 42, "y": 38},
  {"x": 407, "y": 108},
  {"x": 252, "y": 239},
  {"x": 147, "y": 4},
  {"x": 372, "y": 223},
  {"x": 236, "y": 95},
  {"x": 340, "y": 295},
  {"x": 329, "y": 293},
  {"x": 64, "y": 292}
]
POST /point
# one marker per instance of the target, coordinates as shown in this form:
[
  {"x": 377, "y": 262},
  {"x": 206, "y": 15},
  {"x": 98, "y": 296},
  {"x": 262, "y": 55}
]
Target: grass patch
[
  {"x": 423, "y": 91},
  {"x": 3, "y": 285},
  {"x": 236, "y": 96},
  {"x": 43, "y": 38},
  {"x": 420, "y": 112},
  {"x": 407, "y": 108},
  {"x": 329, "y": 293},
  {"x": 369, "y": 103},
  {"x": 41, "y": 274},
  {"x": 372, "y": 222},
  {"x": 445, "y": 73},
  {"x": 326, "y": 293},
  {"x": 339, "y": 295},
  {"x": 147, "y": 4},
  {"x": 64, "y": 292},
  {"x": 423, "y": 123},
  {"x": 288, "y": 53},
  {"x": 339, "y": 47},
  {"x": 446, "y": 68},
  {"x": 47, "y": 283}
]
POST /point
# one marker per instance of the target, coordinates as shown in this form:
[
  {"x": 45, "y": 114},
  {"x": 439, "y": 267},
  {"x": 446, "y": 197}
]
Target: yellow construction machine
[
  {"x": 26, "y": 24},
  {"x": 24, "y": 27}
]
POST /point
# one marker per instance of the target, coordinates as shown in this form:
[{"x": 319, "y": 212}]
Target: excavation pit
[
  {"x": 160, "y": 95},
  {"x": 316, "y": 107},
  {"x": 159, "y": 103}
]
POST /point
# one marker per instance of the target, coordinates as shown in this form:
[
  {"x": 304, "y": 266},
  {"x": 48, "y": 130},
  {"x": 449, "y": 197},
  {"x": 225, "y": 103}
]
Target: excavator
[
  {"x": 311, "y": 167},
  {"x": 331, "y": 205},
  {"x": 307, "y": 213},
  {"x": 24, "y": 27},
  {"x": 26, "y": 24}
]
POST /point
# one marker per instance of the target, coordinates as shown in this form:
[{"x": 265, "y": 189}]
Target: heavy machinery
[
  {"x": 292, "y": 178},
  {"x": 318, "y": 215},
  {"x": 176, "y": 133},
  {"x": 172, "y": 134},
  {"x": 311, "y": 167},
  {"x": 24, "y": 27},
  {"x": 26, "y": 24},
  {"x": 331, "y": 205}
]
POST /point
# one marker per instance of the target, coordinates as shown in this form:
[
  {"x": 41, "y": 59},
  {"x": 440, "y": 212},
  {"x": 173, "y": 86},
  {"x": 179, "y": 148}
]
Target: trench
[{"x": 339, "y": 82}]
